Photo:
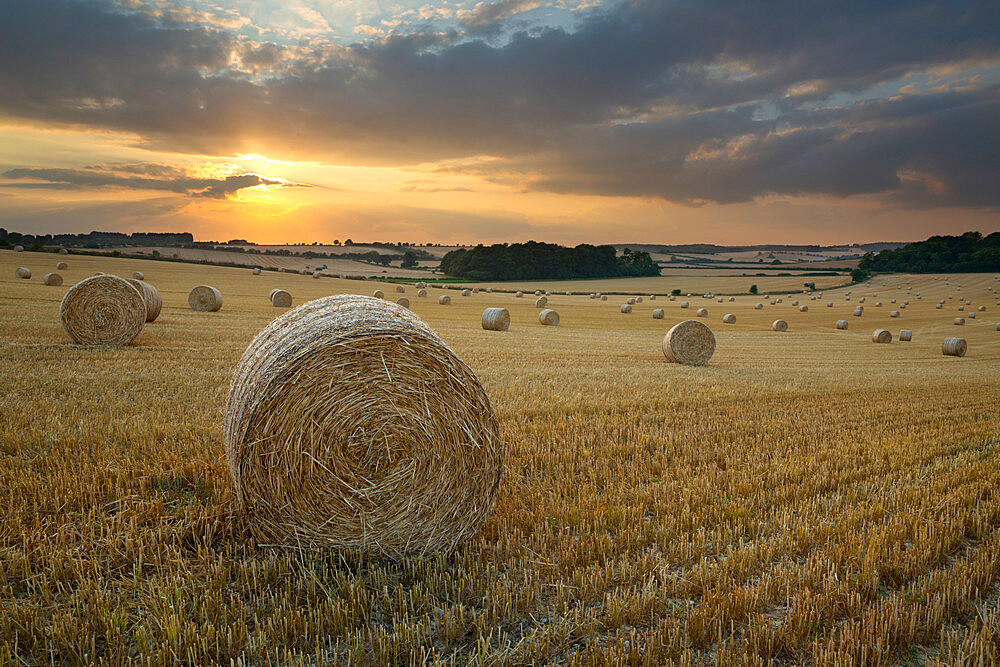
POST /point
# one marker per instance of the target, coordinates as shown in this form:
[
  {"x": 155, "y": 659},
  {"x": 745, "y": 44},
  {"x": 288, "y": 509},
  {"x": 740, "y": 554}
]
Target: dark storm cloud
[
  {"x": 152, "y": 177},
  {"x": 691, "y": 101}
]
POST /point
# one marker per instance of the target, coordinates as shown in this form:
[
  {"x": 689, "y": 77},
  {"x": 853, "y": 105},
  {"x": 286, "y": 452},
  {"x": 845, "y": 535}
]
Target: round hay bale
[
  {"x": 351, "y": 425},
  {"x": 52, "y": 279},
  {"x": 518, "y": 294},
  {"x": 541, "y": 302},
  {"x": 400, "y": 289},
  {"x": 205, "y": 298},
  {"x": 302, "y": 272},
  {"x": 939, "y": 306},
  {"x": 972, "y": 316},
  {"x": 779, "y": 325},
  {"x": 281, "y": 269},
  {"x": 881, "y": 336},
  {"x": 475, "y": 290},
  {"x": 626, "y": 308},
  {"x": 729, "y": 318},
  {"x": 859, "y": 311},
  {"x": 444, "y": 300},
  {"x": 19, "y": 248},
  {"x": 702, "y": 312},
  {"x": 630, "y": 301},
  {"x": 758, "y": 306},
  {"x": 780, "y": 300},
  {"x": 684, "y": 304},
  {"x": 256, "y": 270},
  {"x": 954, "y": 347},
  {"x": 892, "y": 301},
  {"x": 803, "y": 308},
  {"x": 496, "y": 319},
  {"x": 151, "y": 295},
  {"x": 466, "y": 292},
  {"x": 316, "y": 274},
  {"x": 861, "y": 300},
  {"x": 841, "y": 324},
  {"x": 672, "y": 297},
  {"x": 998, "y": 326},
  {"x": 905, "y": 335},
  {"x": 689, "y": 342},
  {"x": 795, "y": 303},
  {"x": 732, "y": 299},
  {"x": 961, "y": 307},
  {"x": 894, "y": 313},
  {"x": 982, "y": 309},
  {"x": 489, "y": 290},
  {"x": 138, "y": 275},
  {"x": 22, "y": 272},
  {"x": 638, "y": 299},
  {"x": 403, "y": 301},
  {"x": 103, "y": 310},
  {"x": 829, "y": 304},
  {"x": 959, "y": 321},
  {"x": 658, "y": 314},
  {"x": 878, "y": 304},
  {"x": 773, "y": 301},
  {"x": 281, "y": 299},
  {"x": 63, "y": 251},
  {"x": 549, "y": 318},
  {"x": 61, "y": 266},
  {"x": 378, "y": 294},
  {"x": 652, "y": 297},
  {"x": 604, "y": 297},
  {"x": 421, "y": 292},
  {"x": 538, "y": 292}
]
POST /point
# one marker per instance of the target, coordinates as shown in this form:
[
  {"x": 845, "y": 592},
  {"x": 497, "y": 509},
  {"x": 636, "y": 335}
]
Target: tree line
[
  {"x": 969, "y": 253},
  {"x": 546, "y": 261}
]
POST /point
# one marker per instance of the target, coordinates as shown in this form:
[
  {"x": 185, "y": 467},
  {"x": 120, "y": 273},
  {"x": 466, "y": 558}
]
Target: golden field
[{"x": 808, "y": 497}]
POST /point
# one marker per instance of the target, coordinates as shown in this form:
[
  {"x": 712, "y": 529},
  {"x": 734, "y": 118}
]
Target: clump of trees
[
  {"x": 969, "y": 253},
  {"x": 546, "y": 261}
]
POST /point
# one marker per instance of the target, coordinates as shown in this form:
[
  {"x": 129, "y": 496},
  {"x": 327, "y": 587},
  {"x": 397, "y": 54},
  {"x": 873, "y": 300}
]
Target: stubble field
[{"x": 807, "y": 497}]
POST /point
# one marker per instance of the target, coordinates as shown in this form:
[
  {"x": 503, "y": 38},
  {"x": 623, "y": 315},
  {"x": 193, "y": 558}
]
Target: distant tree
[
  {"x": 409, "y": 260},
  {"x": 348, "y": 242},
  {"x": 859, "y": 275},
  {"x": 753, "y": 289},
  {"x": 676, "y": 292}
]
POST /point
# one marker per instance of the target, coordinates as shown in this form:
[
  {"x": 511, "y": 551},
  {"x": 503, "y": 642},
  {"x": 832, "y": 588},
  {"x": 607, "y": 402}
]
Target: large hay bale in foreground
[
  {"x": 548, "y": 317},
  {"x": 729, "y": 318},
  {"x": 905, "y": 335},
  {"x": 205, "y": 298},
  {"x": 151, "y": 295},
  {"x": 103, "y": 310},
  {"x": 626, "y": 308},
  {"x": 351, "y": 425},
  {"x": 779, "y": 325},
  {"x": 689, "y": 342},
  {"x": 658, "y": 314},
  {"x": 841, "y": 324},
  {"x": 496, "y": 319},
  {"x": 444, "y": 300},
  {"x": 281, "y": 299},
  {"x": 52, "y": 279},
  {"x": 881, "y": 336},
  {"x": 954, "y": 347},
  {"x": 61, "y": 266},
  {"x": 22, "y": 272}
]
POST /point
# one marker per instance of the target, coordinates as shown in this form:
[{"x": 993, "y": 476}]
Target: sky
[{"x": 657, "y": 121}]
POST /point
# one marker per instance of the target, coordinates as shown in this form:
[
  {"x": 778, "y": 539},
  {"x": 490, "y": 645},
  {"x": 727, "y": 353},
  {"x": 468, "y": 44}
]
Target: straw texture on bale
[
  {"x": 351, "y": 425},
  {"x": 403, "y": 301},
  {"x": 150, "y": 295},
  {"x": 626, "y": 308},
  {"x": 881, "y": 336},
  {"x": 548, "y": 317},
  {"x": 22, "y": 272},
  {"x": 138, "y": 275},
  {"x": 281, "y": 299},
  {"x": 658, "y": 314},
  {"x": 205, "y": 298},
  {"x": 378, "y": 294},
  {"x": 256, "y": 270},
  {"x": 841, "y": 324},
  {"x": 541, "y": 302},
  {"x": 421, "y": 292},
  {"x": 444, "y": 300},
  {"x": 729, "y": 318},
  {"x": 954, "y": 347},
  {"x": 702, "y": 312},
  {"x": 496, "y": 319},
  {"x": 905, "y": 335},
  {"x": 959, "y": 321},
  {"x": 52, "y": 279},
  {"x": 61, "y": 266},
  {"x": 779, "y": 325},
  {"x": 103, "y": 310},
  {"x": 689, "y": 342}
]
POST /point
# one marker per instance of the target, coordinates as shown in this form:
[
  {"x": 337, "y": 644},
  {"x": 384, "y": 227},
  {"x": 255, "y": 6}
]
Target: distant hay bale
[
  {"x": 205, "y": 298},
  {"x": 892, "y": 301},
  {"x": 861, "y": 300},
  {"x": 22, "y": 272},
  {"x": 538, "y": 292},
  {"x": 894, "y": 313},
  {"x": 403, "y": 301},
  {"x": 638, "y": 299},
  {"x": 421, "y": 292},
  {"x": 998, "y": 326},
  {"x": 256, "y": 270},
  {"x": 626, "y": 308},
  {"x": 61, "y": 266},
  {"x": 954, "y": 347},
  {"x": 795, "y": 303},
  {"x": 281, "y": 299},
  {"x": 378, "y": 294},
  {"x": 672, "y": 297},
  {"x": 604, "y": 297},
  {"x": 961, "y": 307},
  {"x": 803, "y": 308},
  {"x": 316, "y": 274},
  {"x": 729, "y": 318},
  {"x": 780, "y": 300},
  {"x": 652, "y": 297},
  {"x": 138, "y": 275},
  {"x": 939, "y": 306},
  {"x": 444, "y": 300},
  {"x": 959, "y": 321},
  {"x": 518, "y": 294},
  {"x": 878, "y": 304},
  {"x": 63, "y": 251},
  {"x": 496, "y": 319},
  {"x": 466, "y": 292},
  {"x": 281, "y": 269},
  {"x": 859, "y": 311},
  {"x": 689, "y": 342},
  {"x": 719, "y": 300},
  {"x": 658, "y": 314},
  {"x": 779, "y": 325},
  {"x": 630, "y": 301},
  {"x": 19, "y": 248},
  {"x": 684, "y": 304},
  {"x": 541, "y": 302},
  {"x": 103, "y": 310},
  {"x": 151, "y": 295},
  {"x": 302, "y": 272},
  {"x": 52, "y": 279},
  {"x": 773, "y": 301},
  {"x": 702, "y": 312},
  {"x": 758, "y": 306},
  {"x": 829, "y": 304},
  {"x": 475, "y": 290},
  {"x": 489, "y": 290},
  {"x": 982, "y": 309},
  {"x": 732, "y": 299},
  {"x": 549, "y": 318},
  {"x": 881, "y": 336},
  {"x": 972, "y": 316},
  {"x": 351, "y": 425},
  {"x": 905, "y": 335},
  {"x": 841, "y": 324}
]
